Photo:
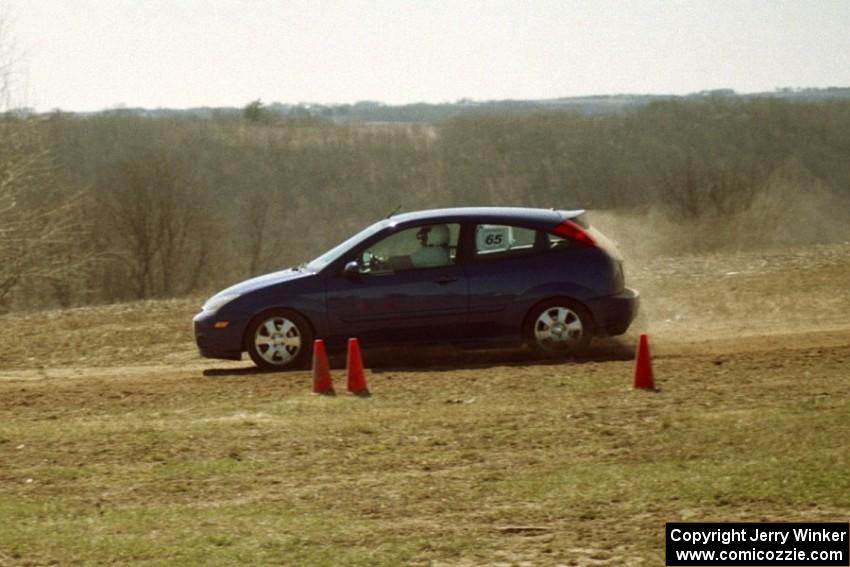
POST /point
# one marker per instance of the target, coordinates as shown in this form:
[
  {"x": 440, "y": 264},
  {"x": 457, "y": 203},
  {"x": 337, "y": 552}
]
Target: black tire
[
  {"x": 567, "y": 332},
  {"x": 279, "y": 339}
]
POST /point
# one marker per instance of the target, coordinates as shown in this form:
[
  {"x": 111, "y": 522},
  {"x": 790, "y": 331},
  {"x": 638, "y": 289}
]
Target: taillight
[{"x": 569, "y": 229}]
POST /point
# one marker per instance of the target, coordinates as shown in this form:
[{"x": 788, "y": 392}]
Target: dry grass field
[{"x": 120, "y": 446}]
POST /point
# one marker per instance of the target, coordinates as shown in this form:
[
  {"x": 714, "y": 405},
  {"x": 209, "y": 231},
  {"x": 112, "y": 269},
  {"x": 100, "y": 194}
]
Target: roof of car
[{"x": 517, "y": 214}]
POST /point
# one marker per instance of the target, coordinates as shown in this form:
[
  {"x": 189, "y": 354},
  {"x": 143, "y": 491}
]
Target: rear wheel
[
  {"x": 279, "y": 340},
  {"x": 559, "y": 328}
]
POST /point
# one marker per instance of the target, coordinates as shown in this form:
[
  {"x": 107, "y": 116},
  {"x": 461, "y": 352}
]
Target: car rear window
[
  {"x": 496, "y": 240},
  {"x": 500, "y": 241},
  {"x": 558, "y": 242}
]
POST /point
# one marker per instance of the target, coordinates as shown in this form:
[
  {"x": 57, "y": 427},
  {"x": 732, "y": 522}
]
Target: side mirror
[{"x": 351, "y": 269}]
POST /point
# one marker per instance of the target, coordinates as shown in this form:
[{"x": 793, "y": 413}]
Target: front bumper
[
  {"x": 614, "y": 314},
  {"x": 217, "y": 343}
]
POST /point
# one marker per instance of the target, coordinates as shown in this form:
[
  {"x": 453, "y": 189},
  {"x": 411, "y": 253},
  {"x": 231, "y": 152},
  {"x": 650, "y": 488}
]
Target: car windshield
[{"x": 334, "y": 253}]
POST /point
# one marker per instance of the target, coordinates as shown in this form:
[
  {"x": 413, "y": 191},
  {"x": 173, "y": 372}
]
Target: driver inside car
[{"x": 433, "y": 247}]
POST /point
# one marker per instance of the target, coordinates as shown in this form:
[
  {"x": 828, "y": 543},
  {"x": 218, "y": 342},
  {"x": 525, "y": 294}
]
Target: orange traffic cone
[
  {"x": 322, "y": 383},
  {"x": 643, "y": 365},
  {"x": 354, "y": 370}
]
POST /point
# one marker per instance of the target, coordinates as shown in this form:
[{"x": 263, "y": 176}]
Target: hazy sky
[{"x": 96, "y": 54}]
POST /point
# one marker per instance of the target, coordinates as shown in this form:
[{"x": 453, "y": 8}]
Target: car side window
[
  {"x": 425, "y": 246},
  {"x": 499, "y": 241}
]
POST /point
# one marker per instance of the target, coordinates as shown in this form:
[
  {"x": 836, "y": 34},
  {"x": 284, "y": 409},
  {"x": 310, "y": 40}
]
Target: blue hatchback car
[{"x": 472, "y": 275}]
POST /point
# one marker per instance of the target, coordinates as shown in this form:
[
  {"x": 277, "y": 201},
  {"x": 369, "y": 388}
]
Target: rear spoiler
[{"x": 578, "y": 216}]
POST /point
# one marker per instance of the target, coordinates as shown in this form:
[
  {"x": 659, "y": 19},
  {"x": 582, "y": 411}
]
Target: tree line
[{"x": 115, "y": 206}]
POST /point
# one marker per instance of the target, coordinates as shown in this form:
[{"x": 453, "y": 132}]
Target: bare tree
[
  {"x": 7, "y": 59},
  {"x": 154, "y": 213},
  {"x": 39, "y": 223}
]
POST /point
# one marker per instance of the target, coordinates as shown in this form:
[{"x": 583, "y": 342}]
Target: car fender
[
  {"x": 531, "y": 297},
  {"x": 556, "y": 289},
  {"x": 310, "y": 306}
]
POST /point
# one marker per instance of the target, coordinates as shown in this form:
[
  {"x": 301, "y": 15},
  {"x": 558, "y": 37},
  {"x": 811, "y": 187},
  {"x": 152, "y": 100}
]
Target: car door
[
  {"x": 407, "y": 286},
  {"x": 505, "y": 262}
]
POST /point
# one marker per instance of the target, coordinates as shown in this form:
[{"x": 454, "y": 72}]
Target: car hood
[{"x": 264, "y": 281}]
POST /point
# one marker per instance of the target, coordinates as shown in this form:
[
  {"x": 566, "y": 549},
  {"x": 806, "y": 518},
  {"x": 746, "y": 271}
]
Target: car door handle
[{"x": 443, "y": 280}]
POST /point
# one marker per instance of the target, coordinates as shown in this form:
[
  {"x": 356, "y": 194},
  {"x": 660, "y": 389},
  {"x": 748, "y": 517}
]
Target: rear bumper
[{"x": 614, "y": 314}]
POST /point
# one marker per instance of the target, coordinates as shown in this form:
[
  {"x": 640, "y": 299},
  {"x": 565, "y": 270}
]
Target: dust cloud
[
  {"x": 780, "y": 218},
  {"x": 765, "y": 269}
]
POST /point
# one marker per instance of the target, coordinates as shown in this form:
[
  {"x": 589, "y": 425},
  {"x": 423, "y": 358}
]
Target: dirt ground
[{"x": 460, "y": 459}]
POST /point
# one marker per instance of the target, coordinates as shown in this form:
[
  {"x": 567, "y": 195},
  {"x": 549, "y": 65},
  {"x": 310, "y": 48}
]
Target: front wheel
[
  {"x": 279, "y": 340},
  {"x": 559, "y": 328}
]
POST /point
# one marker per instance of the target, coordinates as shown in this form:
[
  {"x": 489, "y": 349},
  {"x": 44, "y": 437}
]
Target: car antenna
[{"x": 393, "y": 213}]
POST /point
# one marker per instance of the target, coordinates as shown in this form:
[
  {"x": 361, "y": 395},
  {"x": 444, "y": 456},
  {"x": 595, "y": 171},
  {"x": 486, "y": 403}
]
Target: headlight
[{"x": 216, "y": 302}]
